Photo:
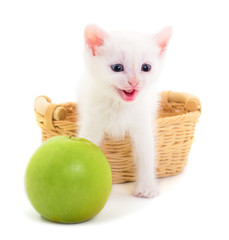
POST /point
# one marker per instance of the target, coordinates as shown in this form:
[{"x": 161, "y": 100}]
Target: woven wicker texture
[{"x": 177, "y": 118}]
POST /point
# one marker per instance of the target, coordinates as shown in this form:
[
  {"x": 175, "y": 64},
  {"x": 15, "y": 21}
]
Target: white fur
[{"x": 102, "y": 110}]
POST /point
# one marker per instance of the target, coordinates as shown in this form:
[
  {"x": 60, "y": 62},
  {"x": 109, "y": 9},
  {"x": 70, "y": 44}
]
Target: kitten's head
[{"x": 124, "y": 64}]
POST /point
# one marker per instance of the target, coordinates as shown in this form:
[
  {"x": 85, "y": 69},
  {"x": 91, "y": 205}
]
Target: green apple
[{"x": 68, "y": 179}]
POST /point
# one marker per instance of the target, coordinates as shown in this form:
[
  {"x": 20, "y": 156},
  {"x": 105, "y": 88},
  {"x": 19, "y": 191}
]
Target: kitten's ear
[
  {"x": 94, "y": 37},
  {"x": 162, "y": 38}
]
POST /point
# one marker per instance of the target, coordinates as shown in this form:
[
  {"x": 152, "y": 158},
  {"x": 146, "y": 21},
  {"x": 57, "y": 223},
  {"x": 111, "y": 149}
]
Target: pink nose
[{"x": 133, "y": 81}]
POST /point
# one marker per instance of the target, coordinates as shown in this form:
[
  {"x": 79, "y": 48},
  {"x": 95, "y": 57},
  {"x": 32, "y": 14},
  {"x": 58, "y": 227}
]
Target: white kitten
[{"x": 118, "y": 94}]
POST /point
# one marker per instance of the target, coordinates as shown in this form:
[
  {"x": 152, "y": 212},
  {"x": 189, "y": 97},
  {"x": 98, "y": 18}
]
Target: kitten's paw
[{"x": 147, "y": 190}]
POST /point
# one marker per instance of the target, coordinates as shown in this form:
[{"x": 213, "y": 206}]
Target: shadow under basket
[{"x": 176, "y": 121}]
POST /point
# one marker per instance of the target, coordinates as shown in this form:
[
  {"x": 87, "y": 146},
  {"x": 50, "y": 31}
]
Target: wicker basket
[{"x": 177, "y": 118}]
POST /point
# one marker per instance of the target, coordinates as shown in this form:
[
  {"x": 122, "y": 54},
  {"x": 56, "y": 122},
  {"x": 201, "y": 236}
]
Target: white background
[{"x": 41, "y": 46}]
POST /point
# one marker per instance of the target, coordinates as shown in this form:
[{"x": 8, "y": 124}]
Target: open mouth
[{"x": 128, "y": 95}]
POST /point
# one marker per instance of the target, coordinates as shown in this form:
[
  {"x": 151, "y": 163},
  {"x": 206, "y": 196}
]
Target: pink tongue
[{"x": 128, "y": 96}]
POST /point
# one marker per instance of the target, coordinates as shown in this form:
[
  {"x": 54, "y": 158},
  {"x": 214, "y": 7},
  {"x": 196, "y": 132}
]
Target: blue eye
[
  {"x": 146, "y": 67},
  {"x": 117, "y": 67}
]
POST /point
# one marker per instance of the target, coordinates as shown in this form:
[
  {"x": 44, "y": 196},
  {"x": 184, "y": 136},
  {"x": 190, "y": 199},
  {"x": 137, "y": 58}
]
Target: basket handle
[
  {"x": 43, "y": 105},
  {"x": 190, "y": 102}
]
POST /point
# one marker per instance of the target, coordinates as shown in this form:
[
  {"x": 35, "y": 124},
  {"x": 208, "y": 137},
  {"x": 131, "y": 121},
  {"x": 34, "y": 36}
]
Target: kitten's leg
[
  {"x": 91, "y": 131},
  {"x": 144, "y": 153}
]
